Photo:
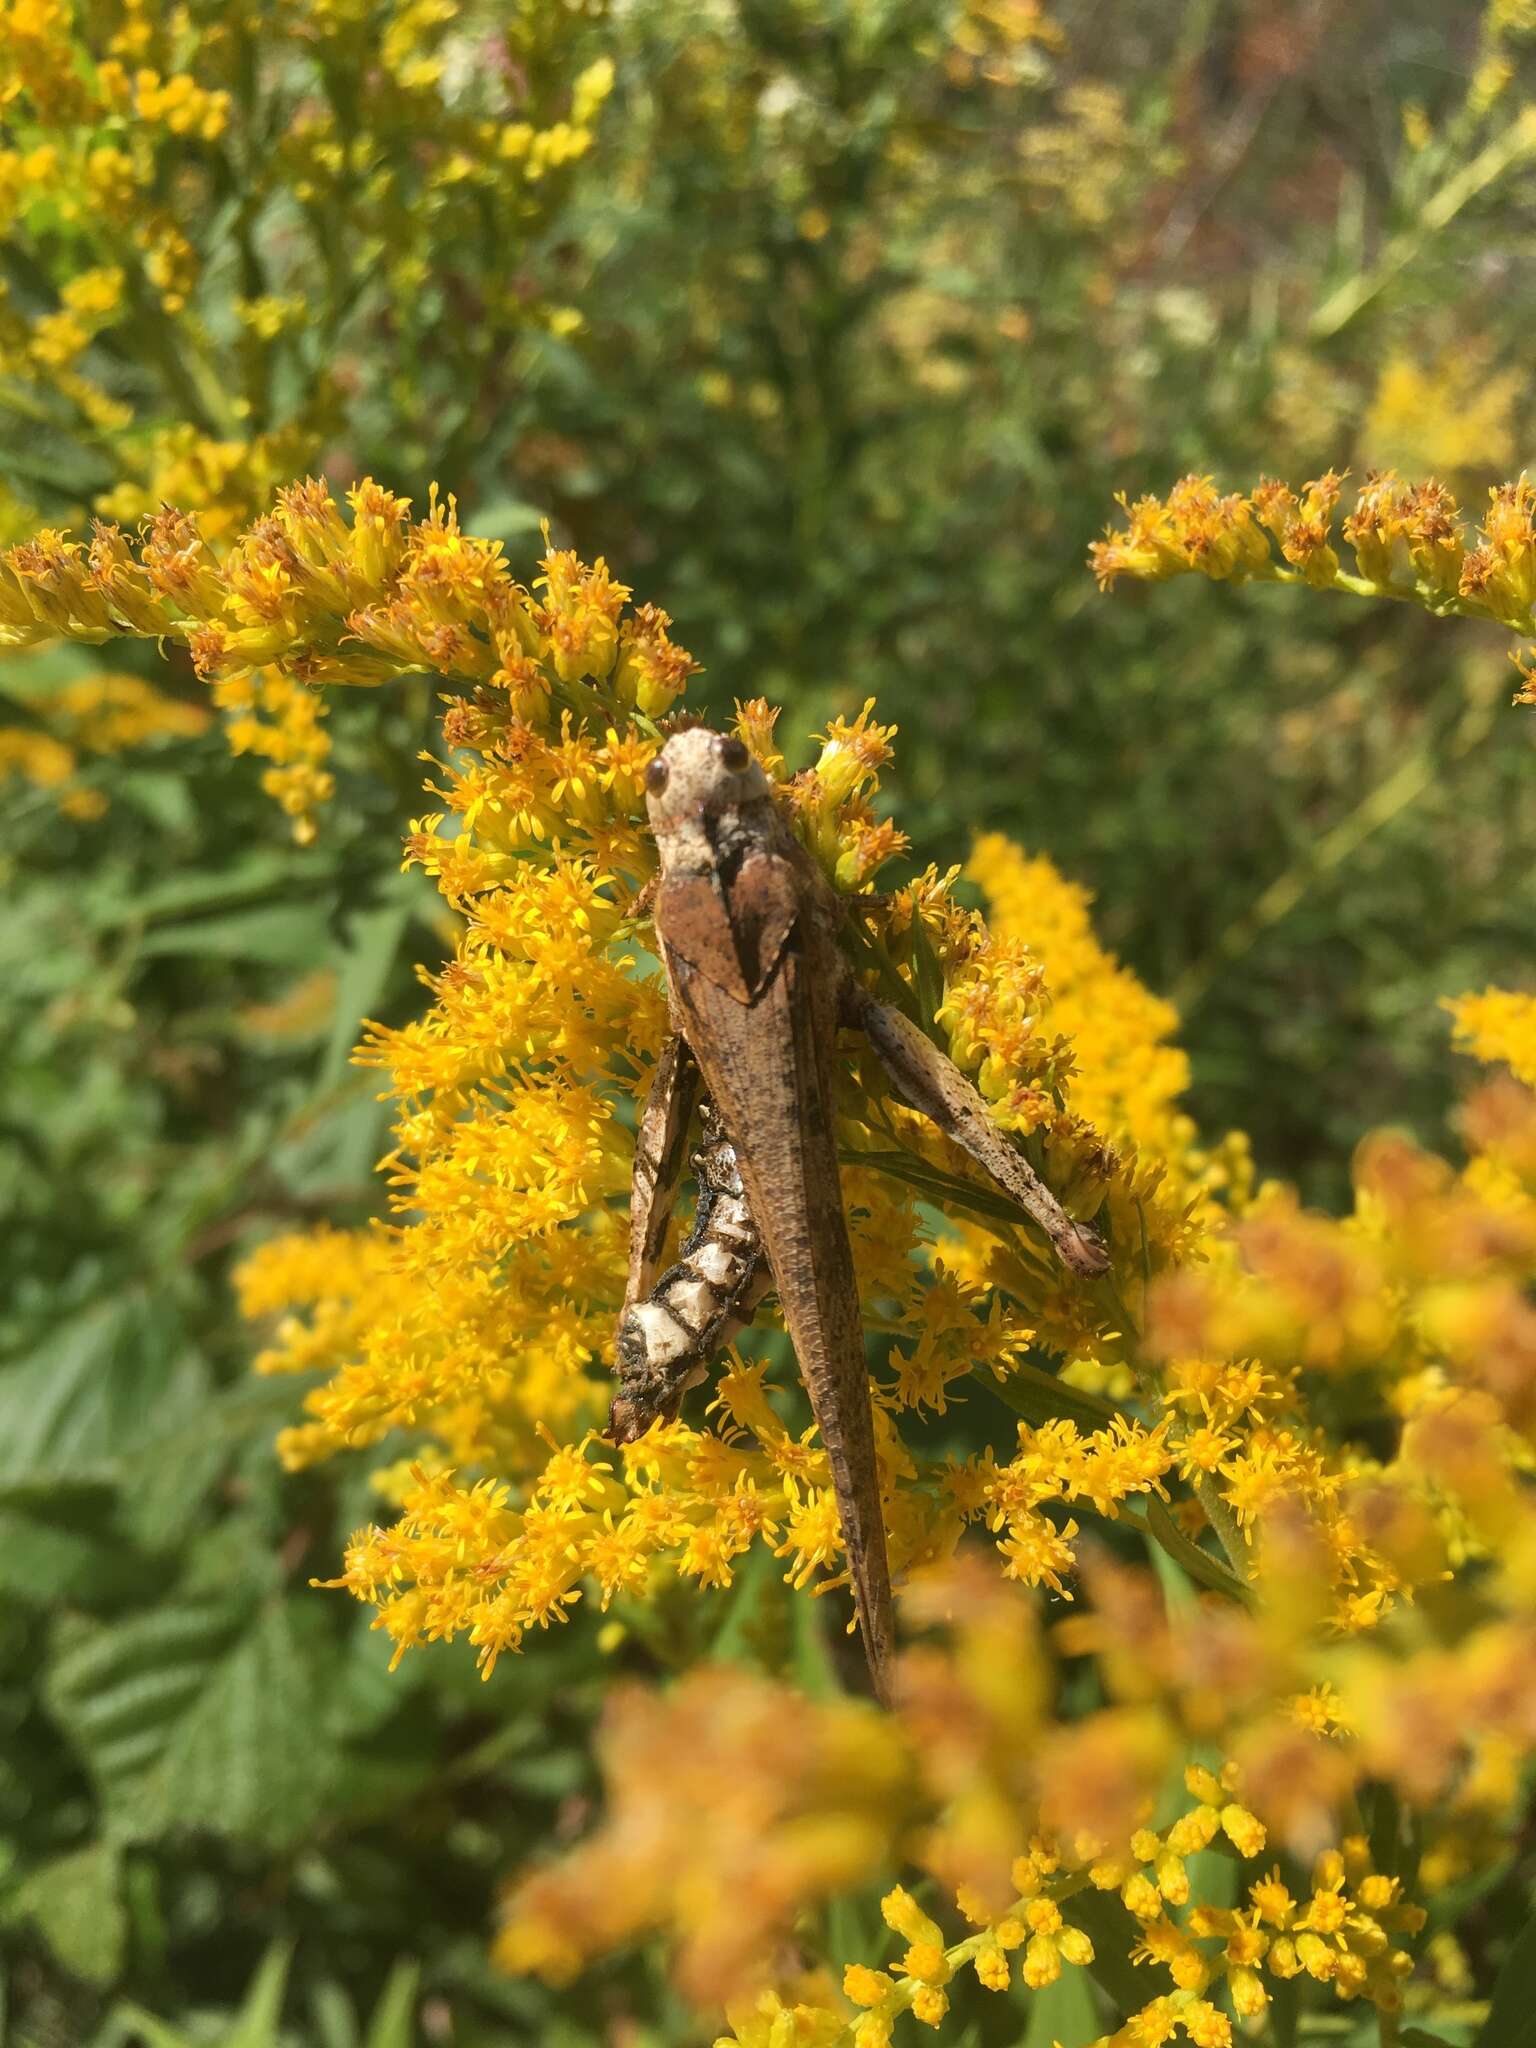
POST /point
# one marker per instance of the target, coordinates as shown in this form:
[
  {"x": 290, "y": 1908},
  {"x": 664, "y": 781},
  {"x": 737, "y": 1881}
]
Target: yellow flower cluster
[
  {"x": 126, "y": 128},
  {"x": 1081, "y": 160},
  {"x": 1499, "y": 1025},
  {"x": 125, "y": 120},
  {"x": 280, "y": 719},
  {"x": 1001, "y": 41},
  {"x": 767, "y": 1802},
  {"x": 1448, "y": 414},
  {"x": 96, "y": 714},
  {"x": 512, "y": 1155},
  {"x": 1420, "y": 1295},
  {"x": 734, "y": 1806},
  {"x": 1409, "y": 542},
  {"x": 302, "y": 598},
  {"x": 1136, "y": 1075},
  {"x": 1032, "y": 1923}
]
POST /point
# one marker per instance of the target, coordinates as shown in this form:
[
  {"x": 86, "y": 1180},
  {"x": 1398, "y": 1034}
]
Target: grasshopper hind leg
[{"x": 935, "y": 1085}]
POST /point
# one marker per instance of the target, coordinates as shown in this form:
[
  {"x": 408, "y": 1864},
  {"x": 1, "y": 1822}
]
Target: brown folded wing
[{"x": 764, "y": 1037}]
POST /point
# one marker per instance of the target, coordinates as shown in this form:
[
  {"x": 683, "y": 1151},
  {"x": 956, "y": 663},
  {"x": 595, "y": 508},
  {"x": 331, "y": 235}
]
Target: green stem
[
  {"x": 1199, "y": 1563},
  {"x": 1224, "y": 1525},
  {"x": 1433, "y": 598},
  {"x": 1437, "y": 212},
  {"x": 1419, "y": 771}
]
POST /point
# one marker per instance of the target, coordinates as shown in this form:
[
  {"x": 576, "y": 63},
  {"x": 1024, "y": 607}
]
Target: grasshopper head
[{"x": 698, "y": 774}]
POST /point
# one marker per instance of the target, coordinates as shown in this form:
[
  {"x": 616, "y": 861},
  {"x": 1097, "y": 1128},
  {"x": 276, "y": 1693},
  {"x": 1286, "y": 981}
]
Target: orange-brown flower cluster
[
  {"x": 729, "y": 1808},
  {"x": 305, "y": 596},
  {"x": 1409, "y": 542}
]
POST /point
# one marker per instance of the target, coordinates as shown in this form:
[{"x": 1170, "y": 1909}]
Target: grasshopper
[{"x": 758, "y": 985}]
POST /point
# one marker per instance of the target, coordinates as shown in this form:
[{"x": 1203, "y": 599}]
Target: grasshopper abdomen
[{"x": 667, "y": 1341}]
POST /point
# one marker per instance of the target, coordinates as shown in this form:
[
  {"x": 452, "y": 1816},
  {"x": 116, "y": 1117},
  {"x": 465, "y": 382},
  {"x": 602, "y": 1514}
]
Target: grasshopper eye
[
  {"x": 733, "y": 755},
  {"x": 656, "y": 776}
]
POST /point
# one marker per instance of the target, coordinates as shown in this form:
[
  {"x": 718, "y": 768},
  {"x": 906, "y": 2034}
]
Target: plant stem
[
  {"x": 1163, "y": 1530},
  {"x": 1402, "y": 787},
  {"x": 1225, "y": 1525},
  {"x": 1438, "y": 211}
]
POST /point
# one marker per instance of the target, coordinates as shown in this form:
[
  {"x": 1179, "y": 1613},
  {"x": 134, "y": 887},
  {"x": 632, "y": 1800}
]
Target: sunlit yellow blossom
[
  {"x": 807, "y": 1798},
  {"x": 1499, "y": 1025},
  {"x": 128, "y": 127},
  {"x": 1444, "y": 416}
]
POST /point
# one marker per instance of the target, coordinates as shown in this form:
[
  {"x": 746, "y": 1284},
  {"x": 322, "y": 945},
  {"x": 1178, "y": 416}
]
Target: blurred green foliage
[{"x": 882, "y": 300}]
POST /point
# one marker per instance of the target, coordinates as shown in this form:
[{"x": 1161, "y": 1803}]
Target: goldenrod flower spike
[
  {"x": 307, "y": 595},
  {"x": 1408, "y": 540}
]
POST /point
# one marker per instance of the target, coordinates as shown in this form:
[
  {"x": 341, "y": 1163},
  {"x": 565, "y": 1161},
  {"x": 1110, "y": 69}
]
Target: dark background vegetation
[{"x": 871, "y": 337}]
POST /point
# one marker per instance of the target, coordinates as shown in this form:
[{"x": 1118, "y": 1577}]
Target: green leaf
[
  {"x": 1284, "y": 2010},
  {"x": 1178, "y": 1587},
  {"x": 810, "y": 1660},
  {"x": 282, "y": 934},
  {"x": 256, "y": 2023},
  {"x": 130, "y": 2026},
  {"x": 1449, "y": 1907},
  {"x": 334, "y": 2022},
  {"x": 1511, "y": 2021},
  {"x": 76, "y": 1904},
  {"x": 853, "y": 1927},
  {"x": 1041, "y": 1396},
  {"x": 1199, "y": 1565},
  {"x": 363, "y": 977},
  {"x": 165, "y": 1478},
  {"x": 393, "y": 2022},
  {"x": 1064, "y": 2012},
  {"x": 201, "y": 1715},
  {"x": 99, "y": 1382},
  {"x": 265, "y": 871},
  {"x": 114, "y": 1400},
  {"x": 934, "y": 1184},
  {"x": 122, "y": 1689},
  {"x": 757, "y": 1583},
  {"x": 1113, "y": 1932},
  {"x": 928, "y": 978},
  {"x": 66, "y": 1547}
]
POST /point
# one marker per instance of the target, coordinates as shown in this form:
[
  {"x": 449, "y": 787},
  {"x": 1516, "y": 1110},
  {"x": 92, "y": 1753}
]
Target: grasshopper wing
[
  {"x": 764, "y": 1040},
  {"x": 661, "y": 1140}
]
